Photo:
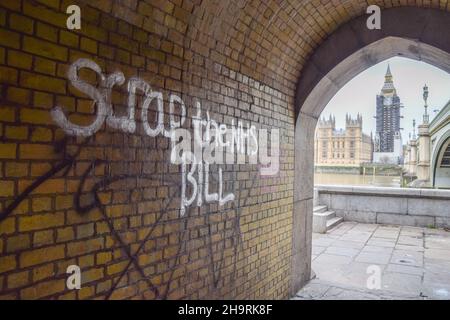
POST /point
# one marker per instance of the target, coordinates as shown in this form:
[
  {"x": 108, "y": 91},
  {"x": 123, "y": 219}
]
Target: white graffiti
[
  {"x": 212, "y": 143},
  {"x": 102, "y": 98}
]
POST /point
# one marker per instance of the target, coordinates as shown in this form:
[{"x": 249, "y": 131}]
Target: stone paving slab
[
  {"x": 322, "y": 290},
  {"x": 342, "y": 251},
  {"x": 373, "y": 257},
  {"x": 413, "y": 262}
]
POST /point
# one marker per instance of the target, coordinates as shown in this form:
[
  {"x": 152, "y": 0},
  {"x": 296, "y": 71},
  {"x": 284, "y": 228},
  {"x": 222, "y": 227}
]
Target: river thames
[{"x": 356, "y": 180}]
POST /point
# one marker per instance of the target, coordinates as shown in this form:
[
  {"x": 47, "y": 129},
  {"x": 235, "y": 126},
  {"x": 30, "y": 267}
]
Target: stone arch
[
  {"x": 436, "y": 159},
  {"x": 406, "y": 31}
]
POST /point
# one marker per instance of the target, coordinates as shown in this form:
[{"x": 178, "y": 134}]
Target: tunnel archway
[
  {"x": 241, "y": 59},
  {"x": 408, "y": 32}
]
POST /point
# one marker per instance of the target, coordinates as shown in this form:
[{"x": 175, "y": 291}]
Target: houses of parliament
[
  {"x": 350, "y": 148},
  {"x": 347, "y": 148}
]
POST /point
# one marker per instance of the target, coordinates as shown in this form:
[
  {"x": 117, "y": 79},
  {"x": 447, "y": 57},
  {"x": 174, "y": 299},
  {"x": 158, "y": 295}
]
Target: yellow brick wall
[{"x": 241, "y": 59}]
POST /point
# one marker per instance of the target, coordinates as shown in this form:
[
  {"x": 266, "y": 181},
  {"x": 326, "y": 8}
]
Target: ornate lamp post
[{"x": 426, "y": 118}]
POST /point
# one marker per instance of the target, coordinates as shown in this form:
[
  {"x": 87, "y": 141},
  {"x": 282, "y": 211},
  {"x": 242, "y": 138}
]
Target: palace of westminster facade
[{"x": 425, "y": 158}]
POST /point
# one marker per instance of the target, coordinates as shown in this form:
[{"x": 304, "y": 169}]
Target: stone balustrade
[{"x": 397, "y": 206}]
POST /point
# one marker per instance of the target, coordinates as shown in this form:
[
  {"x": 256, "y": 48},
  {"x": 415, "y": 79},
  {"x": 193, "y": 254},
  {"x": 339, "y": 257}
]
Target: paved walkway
[{"x": 413, "y": 263}]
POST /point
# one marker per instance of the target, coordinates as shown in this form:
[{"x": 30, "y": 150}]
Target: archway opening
[
  {"x": 357, "y": 231},
  {"x": 325, "y": 75}
]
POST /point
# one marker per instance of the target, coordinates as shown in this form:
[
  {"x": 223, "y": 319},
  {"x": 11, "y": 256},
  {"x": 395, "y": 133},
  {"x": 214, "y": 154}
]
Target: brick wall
[{"x": 110, "y": 202}]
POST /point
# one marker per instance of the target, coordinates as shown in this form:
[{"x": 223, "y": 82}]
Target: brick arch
[
  {"x": 241, "y": 58},
  {"x": 406, "y": 31}
]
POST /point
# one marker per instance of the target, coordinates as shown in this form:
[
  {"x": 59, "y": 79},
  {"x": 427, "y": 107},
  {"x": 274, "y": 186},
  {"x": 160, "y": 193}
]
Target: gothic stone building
[
  {"x": 388, "y": 143},
  {"x": 342, "y": 148}
]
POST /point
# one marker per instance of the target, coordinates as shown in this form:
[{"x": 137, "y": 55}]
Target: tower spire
[
  {"x": 388, "y": 72},
  {"x": 388, "y": 86}
]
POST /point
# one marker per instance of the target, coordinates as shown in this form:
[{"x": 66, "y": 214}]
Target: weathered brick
[
  {"x": 69, "y": 38},
  {"x": 17, "y": 243},
  {"x": 103, "y": 286},
  {"x": 72, "y": 295},
  {"x": 41, "y": 134},
  {"x": 42, "y": 65},
  {"x": 41, "y": 204},
  {"x": 44, "y": 83},
  {"x": 18, "y": 95},
  {"x": 43, "y": 14},
  {"x": 21, "y": 23},
  {"x": 123, "y": 293},
  {"x": 37, "y": 151},
  {"x": 11, "y": 4},
  {"x": 85, "y": 230},
  {"x": 43, "y": 100},
  {"x": 92, "y": 275},
  {"x": 43, "y": 289},
  {"x": 7, "y": 263},
  {"x": 9, "y": 38},
  {"x": 43, "y": 272},
  {"x": 7, "y": 114},
  {"x": 87, "y": 261},
  {"x": 19, "y": 59},
  {"x": 41, "y": 221},
  {"x": 47, "y": 32},
  {"x": 16, "y": 132},
  {"x": 41, "y": 238},
  {"x": 6, "y": 188},
  {"x": 44, "y": 48},
  {"x": 16, "y": 169},
  {"x": 83, "y": 247},
  {"x": 8, "y": 151},
  {"x": 2, "y": 17},
  {"x": 103, "y": 258},
  {"x": 8, "y": 75},
  {"x": 40, "y": 168},
  {"x": 86, "y": 292},
  {"x": 2, "y": 55},
  {"x": 40, "y": 256},
  {"x": 65, "y": 234},
  {"x": 18, "y": 279},
  {"x": 8, "y": 225},
  {"x": 116, "y": 267},
  {"x": 88, "y": 45}
]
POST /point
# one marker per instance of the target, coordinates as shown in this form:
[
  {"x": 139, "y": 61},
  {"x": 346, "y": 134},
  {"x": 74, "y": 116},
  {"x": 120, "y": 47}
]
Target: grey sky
[{"x": 359, "y": 94}]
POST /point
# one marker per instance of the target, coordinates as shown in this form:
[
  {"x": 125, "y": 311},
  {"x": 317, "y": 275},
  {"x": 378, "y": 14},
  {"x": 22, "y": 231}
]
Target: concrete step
[
  {"x": 324, "y": 220},
  {"x": 320, "y": 219},
  {"x": 325, "y": 215},
  {"x": 333, "y": 222},
  {"x": 319, "y": 209}
]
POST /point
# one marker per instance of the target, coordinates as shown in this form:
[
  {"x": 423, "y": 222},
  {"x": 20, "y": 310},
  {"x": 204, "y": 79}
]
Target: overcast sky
[{"x": 359, "y": 94}]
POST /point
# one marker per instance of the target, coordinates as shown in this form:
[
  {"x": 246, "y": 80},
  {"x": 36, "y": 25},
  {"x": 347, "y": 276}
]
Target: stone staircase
[{"x": 324, "y": 220}]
